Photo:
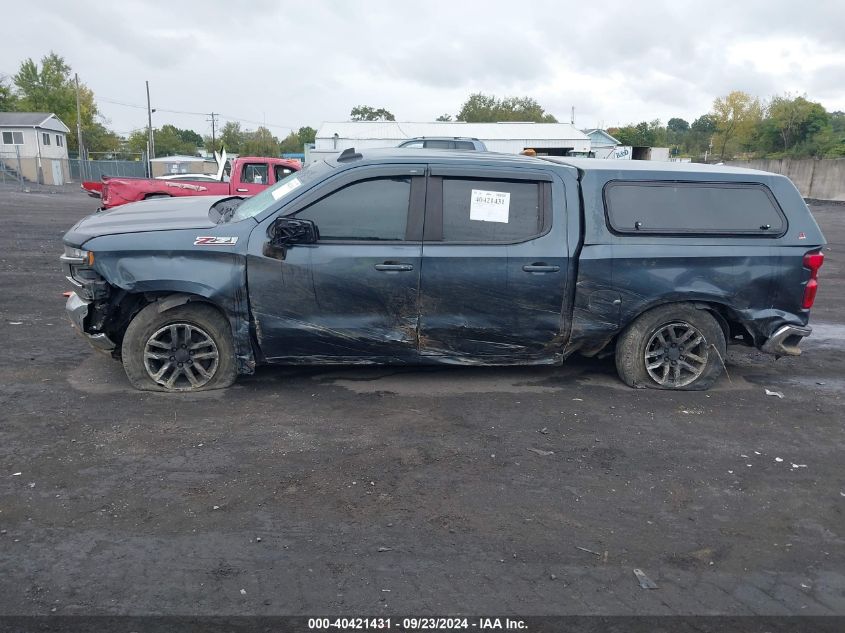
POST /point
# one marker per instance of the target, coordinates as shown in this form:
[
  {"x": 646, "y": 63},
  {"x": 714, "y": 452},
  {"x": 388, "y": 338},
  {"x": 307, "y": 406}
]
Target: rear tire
[
  {"x": 186, "y": 348},
  {"x": 676, "y": 346}
]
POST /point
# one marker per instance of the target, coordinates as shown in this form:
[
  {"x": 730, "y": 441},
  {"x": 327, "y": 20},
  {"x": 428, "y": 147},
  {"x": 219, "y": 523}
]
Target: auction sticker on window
[
  {"x": 489, "y": 206},
  {"x": 285, "y": 189}
]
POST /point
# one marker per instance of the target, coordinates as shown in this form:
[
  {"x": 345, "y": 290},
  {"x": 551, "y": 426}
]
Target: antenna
[{"x": 572, "y": 116}]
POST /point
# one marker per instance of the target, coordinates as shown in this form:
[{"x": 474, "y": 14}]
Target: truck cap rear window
[{"x": 692, "y": 208}]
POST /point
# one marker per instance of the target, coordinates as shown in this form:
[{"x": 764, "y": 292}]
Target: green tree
[
  {"x": 261, "y": 142},
  {"x": 294, "y": 143},
  {"x": 679, "y": 126},
  {"x": 736, "y": 116},
  {"x": 168, "y": 141},
  {"x": 231, "y": 137},
  {"x": 643, "y": 134},
  {"x": 98, "y": 138},
  {"x": 796, "y": 120},
  {"x": 366, "y": 113},
  {"x": 481, "y": 108},
  {"x": 51, "y": 88},
  {"x": 444, "y": 118},
  {"x": 8, "y": 98}
]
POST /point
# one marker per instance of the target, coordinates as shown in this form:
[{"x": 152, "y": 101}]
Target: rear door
[
  {"x": 352, "y": 297},
  {"x": 494, "y": 266}
]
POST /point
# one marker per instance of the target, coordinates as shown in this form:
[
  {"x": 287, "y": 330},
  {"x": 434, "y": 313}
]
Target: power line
[{"x": 227, "y": 117}]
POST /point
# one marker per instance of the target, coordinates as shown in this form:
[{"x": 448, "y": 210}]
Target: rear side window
[
  {"x": 476, "y": 210},
  {"x": 366, "y": 210},
  {"x": 439, "y": 145},
  {"x": 282, "y": 171},
  {"x": 686, "y": 207},
  {"x": 464, "y": 145}
]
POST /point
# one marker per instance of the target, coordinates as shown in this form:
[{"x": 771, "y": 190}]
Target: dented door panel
[{"x": 329, "y": 303}]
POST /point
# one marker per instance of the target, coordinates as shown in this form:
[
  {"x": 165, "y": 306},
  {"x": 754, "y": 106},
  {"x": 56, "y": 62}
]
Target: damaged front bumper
[
  {"x": 785, "y": 340},
  {"x": 77, "y": 310}
]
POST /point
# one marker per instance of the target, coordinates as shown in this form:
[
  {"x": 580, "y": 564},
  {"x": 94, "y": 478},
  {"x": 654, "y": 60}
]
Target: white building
[
  {"x": 34, "y": 144},
  {"x": 553, "y": 139}
]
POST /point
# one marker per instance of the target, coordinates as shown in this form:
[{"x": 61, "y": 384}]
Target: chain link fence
[{"x": 24, "y": 170}]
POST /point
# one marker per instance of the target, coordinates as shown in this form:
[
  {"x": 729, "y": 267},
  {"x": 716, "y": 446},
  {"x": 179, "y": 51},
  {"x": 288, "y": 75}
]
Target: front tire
[
  {"x": 675, "y": 346},
  {"x": 186, "y": 348}
]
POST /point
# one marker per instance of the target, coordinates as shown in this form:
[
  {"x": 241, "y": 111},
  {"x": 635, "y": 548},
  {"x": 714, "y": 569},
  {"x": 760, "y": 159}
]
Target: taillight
[{"x": 812, "y": 262}]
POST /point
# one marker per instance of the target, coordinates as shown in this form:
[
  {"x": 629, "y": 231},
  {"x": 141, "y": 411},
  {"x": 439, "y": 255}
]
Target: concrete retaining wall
[{"x": 821, "y": 179}]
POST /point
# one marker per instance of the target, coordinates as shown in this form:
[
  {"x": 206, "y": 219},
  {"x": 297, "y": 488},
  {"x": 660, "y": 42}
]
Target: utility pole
[
  {"x": 213, "y": 120},
  {"x": 81, "y": 150},
  {"x": 152, "y": 153}
]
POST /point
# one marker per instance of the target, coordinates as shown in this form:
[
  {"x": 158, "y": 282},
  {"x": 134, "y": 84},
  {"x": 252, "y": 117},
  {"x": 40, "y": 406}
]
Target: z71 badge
[{"x": 208, "y": 240}]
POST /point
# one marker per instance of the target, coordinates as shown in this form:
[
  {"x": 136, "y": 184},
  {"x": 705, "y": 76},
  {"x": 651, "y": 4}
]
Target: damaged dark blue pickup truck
[{"x": 414, "y": 257}]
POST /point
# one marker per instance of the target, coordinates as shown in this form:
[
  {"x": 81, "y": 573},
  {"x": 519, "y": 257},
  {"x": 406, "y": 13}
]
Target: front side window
[
  {"x": 686, "y": 207},
  {"x": 416, "y": 144},
  {"x": 45, "y": 138},
  {"x": 477, "y": 210},
  {"x": 374, "y": 209},
  {"x": 255, "y": 174}
]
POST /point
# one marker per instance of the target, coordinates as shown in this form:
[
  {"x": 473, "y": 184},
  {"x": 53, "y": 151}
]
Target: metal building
[{"x": 553, "y": 139}]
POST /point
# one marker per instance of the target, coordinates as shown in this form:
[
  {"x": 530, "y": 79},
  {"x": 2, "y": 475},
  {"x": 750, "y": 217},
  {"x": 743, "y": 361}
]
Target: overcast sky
[{"x": 301, "y": 63}]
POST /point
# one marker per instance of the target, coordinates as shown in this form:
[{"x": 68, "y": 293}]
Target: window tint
[
  {"x": 255, "y": 174},
  {"x": 464, "y": 145},
  {"x": 692, "y": 208},
  {"x": 490, "y": 210},
  {"x": 439, "y": 145},
  {"x": 368, "y": 210}
]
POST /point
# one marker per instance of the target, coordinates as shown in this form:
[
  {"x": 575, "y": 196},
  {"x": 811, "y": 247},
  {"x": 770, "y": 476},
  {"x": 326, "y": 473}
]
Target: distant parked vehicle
[
  {"x": 445, "y": 142},
  {"x": 249, "y": 175}
]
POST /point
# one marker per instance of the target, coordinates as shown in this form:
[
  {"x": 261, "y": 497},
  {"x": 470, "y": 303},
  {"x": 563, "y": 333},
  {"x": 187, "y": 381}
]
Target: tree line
[
  {"x": 741, "y": 125},
  {"x": 737, "y": 125},
  {"x": 51, "y": 87}
]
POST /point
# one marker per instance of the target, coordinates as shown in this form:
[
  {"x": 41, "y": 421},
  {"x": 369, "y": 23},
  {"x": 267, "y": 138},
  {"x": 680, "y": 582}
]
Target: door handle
[
  {"x": 540, "y": 267},
  {"x": 388, "y": 266},
  {"x": 239, "y": 190}
]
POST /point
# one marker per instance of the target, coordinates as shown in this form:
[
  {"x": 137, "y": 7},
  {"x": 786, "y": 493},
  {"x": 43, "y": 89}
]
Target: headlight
[{"x": 78, "y": 256}]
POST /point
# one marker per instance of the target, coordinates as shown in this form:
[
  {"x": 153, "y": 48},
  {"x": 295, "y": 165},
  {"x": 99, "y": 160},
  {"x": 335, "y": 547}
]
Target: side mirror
[{"x": 285, "y": 232}]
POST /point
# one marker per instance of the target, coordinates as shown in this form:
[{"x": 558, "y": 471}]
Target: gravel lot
[{"x": 382, "y": 491}]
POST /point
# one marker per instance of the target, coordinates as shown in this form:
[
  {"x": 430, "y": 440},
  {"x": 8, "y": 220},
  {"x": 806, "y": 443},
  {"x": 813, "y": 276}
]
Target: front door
[
  {"x": 255, "y": 177},
  {"x": 494, "y": 268},
  {"x": 352, "y": 297},
  {"x": 58, "y": 175}
]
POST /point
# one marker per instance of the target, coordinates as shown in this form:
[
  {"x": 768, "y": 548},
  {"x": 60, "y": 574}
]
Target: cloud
[{"x": 293, "y": 64}]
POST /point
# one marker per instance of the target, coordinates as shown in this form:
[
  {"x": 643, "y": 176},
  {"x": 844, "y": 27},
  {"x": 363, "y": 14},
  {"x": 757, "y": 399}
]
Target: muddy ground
[{"x": 383, "y": 491}]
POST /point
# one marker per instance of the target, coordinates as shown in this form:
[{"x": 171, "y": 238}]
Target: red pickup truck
[{"x": 249, "y": 175}]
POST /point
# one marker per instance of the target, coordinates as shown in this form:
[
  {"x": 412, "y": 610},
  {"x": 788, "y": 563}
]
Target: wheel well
[
  {"x": 732, "y": 328},
  {"x": 125, "y": 305},
  {"x": 157, "y": 195}
]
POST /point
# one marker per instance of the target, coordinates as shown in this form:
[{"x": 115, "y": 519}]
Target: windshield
[{"x": 253, "y": 206}]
